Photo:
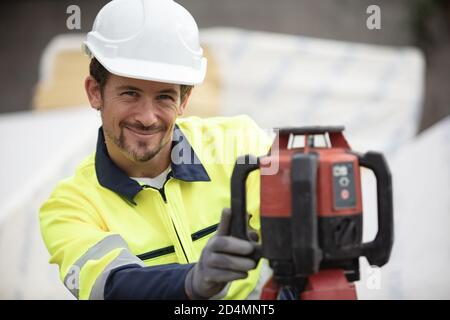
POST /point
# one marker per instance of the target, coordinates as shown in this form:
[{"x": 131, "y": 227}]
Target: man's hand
[{"x": 223, "y": 259}]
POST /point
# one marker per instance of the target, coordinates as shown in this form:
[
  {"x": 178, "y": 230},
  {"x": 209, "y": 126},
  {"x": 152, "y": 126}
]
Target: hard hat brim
[{"x": 160, "y": 72}]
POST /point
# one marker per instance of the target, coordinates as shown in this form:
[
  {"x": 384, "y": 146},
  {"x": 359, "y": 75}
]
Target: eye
[
  {"x": 130, "y": 94},
  {"x": 165, "y": 97}
]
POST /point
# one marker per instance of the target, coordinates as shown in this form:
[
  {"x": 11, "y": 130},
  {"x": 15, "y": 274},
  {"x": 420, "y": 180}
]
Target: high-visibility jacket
[{"x": 115, "y": 238}]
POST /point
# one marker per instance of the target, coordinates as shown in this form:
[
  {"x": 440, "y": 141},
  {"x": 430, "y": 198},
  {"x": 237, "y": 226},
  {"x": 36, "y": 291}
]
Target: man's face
[{"x": 139, "y": 116}]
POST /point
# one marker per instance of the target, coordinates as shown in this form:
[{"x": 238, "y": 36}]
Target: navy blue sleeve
[{"x": 138, "y": 283}]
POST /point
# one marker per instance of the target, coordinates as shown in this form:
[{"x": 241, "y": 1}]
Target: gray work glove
[{"x": 223, "y": 259}]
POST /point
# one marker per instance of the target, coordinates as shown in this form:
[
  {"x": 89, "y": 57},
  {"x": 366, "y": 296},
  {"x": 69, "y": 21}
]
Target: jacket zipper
[
  {"x": 181, "y": 244},
  {"x": 156, "y": 253},
  {"x": 171, "y": 249},
  {"x": 163, "y": 195},
  {"x": 204, "y": 232}
]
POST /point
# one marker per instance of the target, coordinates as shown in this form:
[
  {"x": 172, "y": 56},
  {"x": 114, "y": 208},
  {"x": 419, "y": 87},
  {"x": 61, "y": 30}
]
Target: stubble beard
[{"x": 140, "y": 153}]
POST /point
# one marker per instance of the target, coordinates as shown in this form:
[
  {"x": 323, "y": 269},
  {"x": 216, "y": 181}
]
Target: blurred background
[{"x": 287, "y": 62}]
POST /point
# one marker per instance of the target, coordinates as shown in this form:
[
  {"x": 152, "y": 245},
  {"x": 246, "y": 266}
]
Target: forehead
[{"x": 116, "y": 82}]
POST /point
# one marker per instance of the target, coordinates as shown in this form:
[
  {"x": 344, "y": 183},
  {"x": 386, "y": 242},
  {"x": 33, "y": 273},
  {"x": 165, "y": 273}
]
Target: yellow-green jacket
[{"x": 112, "y": 237}]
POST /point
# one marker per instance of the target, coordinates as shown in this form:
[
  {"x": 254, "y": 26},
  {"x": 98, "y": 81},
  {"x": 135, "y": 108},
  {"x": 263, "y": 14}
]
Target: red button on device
[{"x": 345, "y": 194}]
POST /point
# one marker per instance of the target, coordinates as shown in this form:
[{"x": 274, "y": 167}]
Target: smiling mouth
[{"x": 142, "y": 133}]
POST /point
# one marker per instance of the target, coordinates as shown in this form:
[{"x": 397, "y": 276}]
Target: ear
[
  {"x": 93, "y": 92},
  {"x": 184, "y": 103}
]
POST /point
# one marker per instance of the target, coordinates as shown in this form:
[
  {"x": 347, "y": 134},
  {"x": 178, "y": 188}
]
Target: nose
[{"x": 147, "y": 113}]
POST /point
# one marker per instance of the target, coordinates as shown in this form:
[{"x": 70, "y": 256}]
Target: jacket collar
[{"x": 110, "y": 176}]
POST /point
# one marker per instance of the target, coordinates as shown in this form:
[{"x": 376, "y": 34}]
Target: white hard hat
[{"x": 148, "y": 39}]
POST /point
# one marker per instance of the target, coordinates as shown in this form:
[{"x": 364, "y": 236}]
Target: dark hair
[{"x": 100, "y": 74}]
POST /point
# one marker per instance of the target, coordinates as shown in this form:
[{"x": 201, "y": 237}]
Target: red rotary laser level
[{"x": 311, "y": 213}]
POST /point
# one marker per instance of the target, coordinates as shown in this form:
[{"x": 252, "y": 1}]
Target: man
[{"x": 138, "y": 219}]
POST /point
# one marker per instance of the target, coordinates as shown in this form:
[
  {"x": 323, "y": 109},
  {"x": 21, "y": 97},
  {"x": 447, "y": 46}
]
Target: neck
[{"x": 148, "y": 169}]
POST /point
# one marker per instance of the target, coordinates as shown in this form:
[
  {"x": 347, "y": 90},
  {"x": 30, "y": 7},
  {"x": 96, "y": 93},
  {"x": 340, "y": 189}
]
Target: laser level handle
[
  {"x": 244, "y": 165},
  {"x": 378, "y": 251}
]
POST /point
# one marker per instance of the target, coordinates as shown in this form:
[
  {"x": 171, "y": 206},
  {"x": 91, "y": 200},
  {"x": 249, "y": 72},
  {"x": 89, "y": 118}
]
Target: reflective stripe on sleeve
[
  {"x": 124, "y": 258},
  {"x": 103, "y": 247}
]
